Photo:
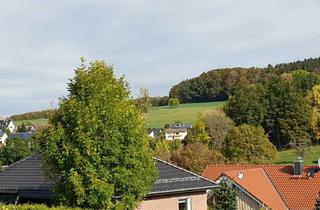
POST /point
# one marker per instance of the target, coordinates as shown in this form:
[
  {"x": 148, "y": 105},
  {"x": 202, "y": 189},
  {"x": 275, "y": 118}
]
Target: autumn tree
[
  {"x": 218, "y": 126},
  {"x": 249, "y": 144},
  {"x": 96, "y": 150},
  {"x": 195, "y": 157},
  {"x": 198, "y": 133}
]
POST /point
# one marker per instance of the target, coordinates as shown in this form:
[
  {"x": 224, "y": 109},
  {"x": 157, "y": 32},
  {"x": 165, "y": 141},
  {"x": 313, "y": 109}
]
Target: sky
[{"x": 155, "y": 44}]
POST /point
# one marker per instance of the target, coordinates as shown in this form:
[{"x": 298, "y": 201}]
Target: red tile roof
[
  {"x": 249, "y": 179},
  {"x": 298, "y": 192}
]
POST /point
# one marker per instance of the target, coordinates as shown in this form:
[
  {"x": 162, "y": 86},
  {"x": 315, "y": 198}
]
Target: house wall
[
  {"x": 3, "y": 139},
  {"x": 173, "y": 136},
  {"x": 245, "y": 202},
  {"x": 198, "y": 202}
]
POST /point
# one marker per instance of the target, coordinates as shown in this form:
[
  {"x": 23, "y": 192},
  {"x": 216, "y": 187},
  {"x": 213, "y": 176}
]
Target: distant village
[{"x": 8, "y": 130}]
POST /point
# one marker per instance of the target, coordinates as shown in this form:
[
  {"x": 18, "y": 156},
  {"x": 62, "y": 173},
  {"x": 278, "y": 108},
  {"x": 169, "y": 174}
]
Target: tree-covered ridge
[
  {"x": 219, "y": 84},
  {"x": 33, "y": 115}
]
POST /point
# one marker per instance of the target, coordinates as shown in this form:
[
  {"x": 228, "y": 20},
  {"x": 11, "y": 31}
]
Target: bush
[{"x": 173, "y": 102}]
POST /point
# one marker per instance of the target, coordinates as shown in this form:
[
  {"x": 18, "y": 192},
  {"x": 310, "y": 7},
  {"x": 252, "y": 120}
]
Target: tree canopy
[
  {"x": 96, "y": 150},
  {"x": 249, "y": 144}
]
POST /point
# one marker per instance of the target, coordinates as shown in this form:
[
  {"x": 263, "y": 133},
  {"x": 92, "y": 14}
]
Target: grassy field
[
  {"x": 288, "y": 156},
  {"x": 37, "y": 122},
  {"x": 157, "y": 117}
]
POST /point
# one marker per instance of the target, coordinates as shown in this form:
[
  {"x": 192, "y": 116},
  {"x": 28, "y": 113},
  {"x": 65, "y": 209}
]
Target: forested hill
[{"x": 219, "y": 84}]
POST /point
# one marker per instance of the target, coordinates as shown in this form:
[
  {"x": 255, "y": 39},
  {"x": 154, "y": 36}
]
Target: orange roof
[
  {"x": 249, "y": 179},
  {"x": 297, "y": 192}
]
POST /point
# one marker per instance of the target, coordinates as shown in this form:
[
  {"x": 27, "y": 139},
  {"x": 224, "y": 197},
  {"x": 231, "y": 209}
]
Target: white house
[
  {"x": 175, "y": 133},
  {"x": 3, "y": 139},
  {"x": 7, "y": 124},
  {"x": 11, "y": 127}
]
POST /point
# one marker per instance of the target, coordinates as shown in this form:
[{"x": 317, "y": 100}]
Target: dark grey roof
[
  {"x": 173, "y": 179},
  {"x": 181, "y": 125},
  {"x": 20, "y": 135},
  {"x": 25, "y": 178}
]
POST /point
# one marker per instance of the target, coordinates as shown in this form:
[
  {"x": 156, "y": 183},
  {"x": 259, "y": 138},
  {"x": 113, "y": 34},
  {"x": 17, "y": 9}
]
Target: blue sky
[{"x": 155, "y": 44}]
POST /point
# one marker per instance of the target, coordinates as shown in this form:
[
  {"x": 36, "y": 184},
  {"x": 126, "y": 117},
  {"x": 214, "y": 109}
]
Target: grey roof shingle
[
  {"x": 173, "y": 179},
  {"x": 26, "y": 177}
]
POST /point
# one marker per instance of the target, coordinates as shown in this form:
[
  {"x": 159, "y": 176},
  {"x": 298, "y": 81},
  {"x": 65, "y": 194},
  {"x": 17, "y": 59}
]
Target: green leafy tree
[
  {"x": 14, "y": 150},
  {"x": 173, "y": 102},
  {"x": 314, "y": 101},
  {"x": 248, "y": 105},
  {"x": 162, "y": 150},
  {"x": 225, "y": 196},
  {"x": 288, "y": 115},
  {"x": 218, "y": 125},
  {"x": 96, "y": 149},
  {"x": 198, "y": 132},
  {"x": 249, "y": 144},
  {"x": 304, "y": 81}
]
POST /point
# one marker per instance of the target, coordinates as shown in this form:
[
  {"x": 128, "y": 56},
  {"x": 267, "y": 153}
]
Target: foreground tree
[
  {"x": 249, "y": 144},
  {"x": 225, "y": 196},
  {"x": 96, "y": 149}
]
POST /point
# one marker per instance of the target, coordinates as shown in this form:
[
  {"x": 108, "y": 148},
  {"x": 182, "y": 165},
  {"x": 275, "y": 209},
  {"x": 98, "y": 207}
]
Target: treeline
[
  {"x": 33, "y": 115},
  {"x": 219, "y": 84}
]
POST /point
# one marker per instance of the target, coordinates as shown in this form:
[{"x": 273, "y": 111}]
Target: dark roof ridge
[
  {"x": 194, "y": 174},
  {"x": 18, "y": 162}
]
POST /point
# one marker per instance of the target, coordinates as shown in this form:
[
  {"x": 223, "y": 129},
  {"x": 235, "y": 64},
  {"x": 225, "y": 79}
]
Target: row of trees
[
  {"x": 286, "y": 106},
  {"x": 33, "y": 115},
  {"x": 219, "y": 84},
  {"x": 214, "y": 139}
]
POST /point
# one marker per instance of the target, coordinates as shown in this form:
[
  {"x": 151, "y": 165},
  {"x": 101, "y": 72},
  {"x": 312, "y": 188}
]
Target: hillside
[{"x": 219, "y": 84}]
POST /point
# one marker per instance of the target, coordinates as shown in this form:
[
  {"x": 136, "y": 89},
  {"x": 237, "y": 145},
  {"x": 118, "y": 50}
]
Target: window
[{"x": 184, "y": 204}]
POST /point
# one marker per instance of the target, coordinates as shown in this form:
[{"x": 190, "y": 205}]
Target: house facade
[
  {"x": 175, "y": 133},
  {"x": 3, "y": 138},
  {"x": 175, "y": 189}
]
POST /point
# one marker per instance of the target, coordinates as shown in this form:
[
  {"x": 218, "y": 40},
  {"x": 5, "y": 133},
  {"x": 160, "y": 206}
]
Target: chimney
[
  {"x": 298, "y": 167},
  {"x": 319, "y": 163}
]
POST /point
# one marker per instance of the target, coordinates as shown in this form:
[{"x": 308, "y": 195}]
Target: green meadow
[
  {"x": 288, "y": 156},
  {"x": 157, "y": 117}
]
